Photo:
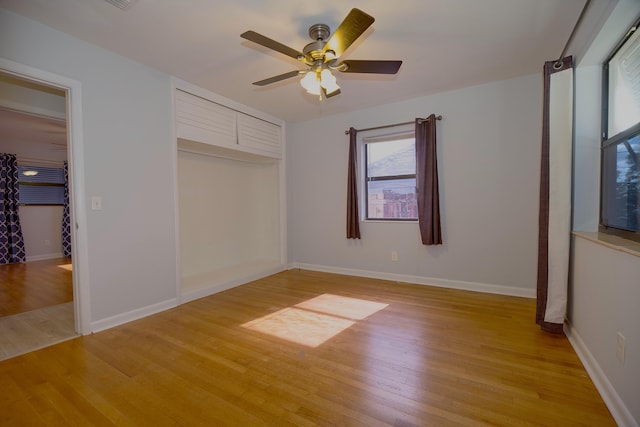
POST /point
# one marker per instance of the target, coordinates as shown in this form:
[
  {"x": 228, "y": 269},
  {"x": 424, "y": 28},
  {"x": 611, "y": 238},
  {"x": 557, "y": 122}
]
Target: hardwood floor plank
[
  {"x": 432, "y": 356},
  {"x": 34, "y": 285}
]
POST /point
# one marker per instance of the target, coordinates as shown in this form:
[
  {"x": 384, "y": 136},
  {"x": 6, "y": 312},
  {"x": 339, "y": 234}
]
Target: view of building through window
[
  {"x": 391, "y": 179},
  {"x": 622, "y": 185}
]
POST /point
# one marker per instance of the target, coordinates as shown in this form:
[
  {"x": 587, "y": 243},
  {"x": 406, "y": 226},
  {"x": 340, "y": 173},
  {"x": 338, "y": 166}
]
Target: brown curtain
[
  {"x": 555, "y": 195},
  {"x": 353, "y": 219},
  {"x": 427, "y": 181}
]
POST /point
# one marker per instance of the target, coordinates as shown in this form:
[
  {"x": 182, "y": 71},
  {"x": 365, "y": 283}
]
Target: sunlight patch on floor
[
  {"x": 68, "y": 267},
  {"x": 350, "y": 308},
  {"x": 315, "y": 321}
]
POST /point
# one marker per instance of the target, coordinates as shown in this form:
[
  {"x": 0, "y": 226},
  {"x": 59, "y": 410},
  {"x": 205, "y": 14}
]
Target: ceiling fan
[{"x": 322, "y": 55}]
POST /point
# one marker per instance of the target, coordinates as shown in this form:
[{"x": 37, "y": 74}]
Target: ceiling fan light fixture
[
  {"x": 311, "y": 82},
  {"x": 328, "y": 81}
]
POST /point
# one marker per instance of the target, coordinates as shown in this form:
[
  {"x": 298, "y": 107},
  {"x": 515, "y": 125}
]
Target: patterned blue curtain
[
  {"x": 11, "y": 240},
  {"x": 66, "y": 217}
]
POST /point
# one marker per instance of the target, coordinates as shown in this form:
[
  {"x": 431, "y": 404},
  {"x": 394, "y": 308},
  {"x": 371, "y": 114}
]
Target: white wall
[
  {"x": 604, "y": 301},
  {"x": 489, "y": 155},
  {"x": 42, "y": 231},
  {"x": 604, "y": 290},
  {"x": 128, "y": 151}
]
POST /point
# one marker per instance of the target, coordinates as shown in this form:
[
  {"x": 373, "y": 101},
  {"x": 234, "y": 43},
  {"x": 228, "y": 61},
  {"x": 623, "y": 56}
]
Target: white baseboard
[
  {"x": 420, "y": 280},
  {"x": 187, "y": 296},
  {"x": 119, "y": 319},
  {"x": 616, "y": 406},
  {"x": 44, "y": 256},
  {"x": 217, "y": 285},
  {"x": 195, "y": 294}
]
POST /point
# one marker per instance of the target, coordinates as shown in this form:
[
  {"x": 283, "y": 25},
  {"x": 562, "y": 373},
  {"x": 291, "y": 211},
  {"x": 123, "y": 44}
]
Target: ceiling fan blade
[
  {"x": 376, "y": 67},
  {"x": 271, "y": 44},
  {"x": 329, "y": 95},
  {"x": 277, "y": 78},
  {"x": 348, "y": 31}
]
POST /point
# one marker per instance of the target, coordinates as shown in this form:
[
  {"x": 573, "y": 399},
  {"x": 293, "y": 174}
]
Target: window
[
  {"x": 390, "y": 178},
  {"x": 620, "y": 195},
  {"x": 41, "y": 185}
]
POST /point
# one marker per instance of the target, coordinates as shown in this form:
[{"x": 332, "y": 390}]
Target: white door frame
[{"x": 75, "y": 150}]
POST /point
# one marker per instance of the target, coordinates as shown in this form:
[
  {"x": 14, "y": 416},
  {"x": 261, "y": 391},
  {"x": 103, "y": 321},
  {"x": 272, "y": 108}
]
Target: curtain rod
[
  {"x": 558, "y": 64},
  {"x": 346, "y": 132}
]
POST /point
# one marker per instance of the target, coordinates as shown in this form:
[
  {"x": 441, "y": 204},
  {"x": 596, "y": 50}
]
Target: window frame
[
  {"x": 400, "y": 133},
  {"x": 608, "y": 141}
]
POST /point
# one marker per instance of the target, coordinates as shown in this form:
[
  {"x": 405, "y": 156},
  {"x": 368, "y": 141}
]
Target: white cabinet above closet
[
  {"x": 258, "y": 134},
  {"x": 205, "y": 121},
  {"x": 200, "y": 120}
]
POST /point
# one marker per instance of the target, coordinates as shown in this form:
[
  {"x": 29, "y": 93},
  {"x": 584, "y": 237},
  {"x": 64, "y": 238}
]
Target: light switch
[{"x": 96, "y": 203}]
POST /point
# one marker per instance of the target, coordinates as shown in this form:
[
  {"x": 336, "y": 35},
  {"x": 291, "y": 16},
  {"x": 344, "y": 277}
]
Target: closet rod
[{"x": 346, "y": 132}]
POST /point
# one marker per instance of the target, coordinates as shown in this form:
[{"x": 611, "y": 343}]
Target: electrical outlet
[
  {"x": 394, "y": 256},
  {"x": 621, "y": 342},
  {"x": 47, "y": 242}
]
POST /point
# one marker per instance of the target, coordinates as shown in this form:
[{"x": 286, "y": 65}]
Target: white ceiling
[
  {"x": 32, "y": 119},
  {"x": 19, "y": 127},
  {"x": 445, "y": 44},
  {"x": 32, "y": 136}
]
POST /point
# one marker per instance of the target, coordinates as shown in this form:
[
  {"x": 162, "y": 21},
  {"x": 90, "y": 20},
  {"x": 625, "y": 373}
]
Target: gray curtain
[
  {"x": 11, "y": 240},
  {"x": 428, "y": 195},
  {"x": 353, "y": 218},
  {"x": 555, "y": 195},
  {"x": 66, "y": 217}
]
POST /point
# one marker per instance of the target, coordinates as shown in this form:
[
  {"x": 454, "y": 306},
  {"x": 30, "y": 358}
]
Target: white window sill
[{"x": 613, "y": 242}]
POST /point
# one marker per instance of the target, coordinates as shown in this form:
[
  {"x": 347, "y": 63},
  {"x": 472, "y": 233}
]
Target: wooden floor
[
  {"x": 36, "y": 329},
  {"x": 401, "y": 355},
  {"x": 34, "y": 285},
  {"x": 36, "y": 308}
]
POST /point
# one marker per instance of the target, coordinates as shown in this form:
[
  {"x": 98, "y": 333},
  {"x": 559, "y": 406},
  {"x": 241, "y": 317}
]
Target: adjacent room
[
  {"x": 36, "y": 303},
  {"x": 268, "y": 213}
]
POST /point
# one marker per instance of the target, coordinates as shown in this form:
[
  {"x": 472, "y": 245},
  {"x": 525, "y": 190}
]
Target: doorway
[{"x": 49, "y": 297}]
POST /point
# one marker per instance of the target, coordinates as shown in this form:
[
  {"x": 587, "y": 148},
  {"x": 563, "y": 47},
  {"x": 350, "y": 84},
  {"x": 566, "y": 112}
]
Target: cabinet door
[
  {"x": 204, "y": 121},
  {"x": 259, "y": 135}
]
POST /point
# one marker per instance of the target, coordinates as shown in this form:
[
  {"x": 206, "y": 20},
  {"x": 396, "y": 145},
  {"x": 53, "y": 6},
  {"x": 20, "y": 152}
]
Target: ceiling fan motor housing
[
  {"x": 314, "y": 50},
  {"x": 319, "y": 32}
]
